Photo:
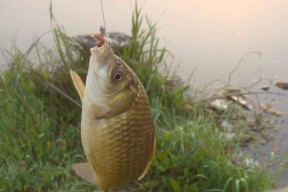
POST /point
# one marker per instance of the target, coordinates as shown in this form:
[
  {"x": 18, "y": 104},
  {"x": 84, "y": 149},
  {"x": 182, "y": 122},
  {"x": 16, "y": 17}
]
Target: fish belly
[{"x": 118, "y": 147}]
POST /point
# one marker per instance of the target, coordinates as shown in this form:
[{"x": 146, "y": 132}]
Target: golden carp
[{"x": 117, "y": 128}]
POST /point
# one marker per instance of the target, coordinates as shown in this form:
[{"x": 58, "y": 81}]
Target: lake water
[{"x": 209, "y": 38}]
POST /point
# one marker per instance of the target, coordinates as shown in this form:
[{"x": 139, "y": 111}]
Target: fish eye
[{"x": 117, "y": 76}]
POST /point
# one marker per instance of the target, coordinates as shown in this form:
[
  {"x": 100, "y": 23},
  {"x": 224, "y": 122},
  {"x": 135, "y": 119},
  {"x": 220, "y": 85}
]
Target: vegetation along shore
[{"x": 199, "y": 137}]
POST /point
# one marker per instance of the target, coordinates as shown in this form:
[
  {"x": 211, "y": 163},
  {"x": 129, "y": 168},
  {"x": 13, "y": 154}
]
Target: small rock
[
  {"x": 219, "y": 105},
  {"x": 243, "y": 101},
  {"x": 265, "y": 87},
  {"x": 115, "y": 39},
  {"x": 282, "y": 85},
  {"x": 237, "y": 96}
]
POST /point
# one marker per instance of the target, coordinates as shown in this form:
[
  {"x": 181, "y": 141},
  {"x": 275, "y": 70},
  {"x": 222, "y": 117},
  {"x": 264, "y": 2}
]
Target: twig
[
  {"x": 56, "y": 88},
  {"x": 257, "y": 93},
  {"x": 34, "y": 44},
  {"x": 258, "y": 53},
  {"x": 63, "y": 93},
  {"x": 248, "y": 93}
]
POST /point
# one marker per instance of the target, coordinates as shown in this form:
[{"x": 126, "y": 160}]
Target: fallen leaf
[{"x": 268, "y": 109}]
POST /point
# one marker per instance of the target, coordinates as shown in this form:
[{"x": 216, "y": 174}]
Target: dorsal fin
[
  {"x": 84, "y": 171},
  {"x": 151, "y": 157},
  {"x": 78, "y": 83}
]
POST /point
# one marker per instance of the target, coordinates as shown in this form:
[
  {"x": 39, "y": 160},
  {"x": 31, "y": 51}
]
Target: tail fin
[{"x": 84, "y": 171}]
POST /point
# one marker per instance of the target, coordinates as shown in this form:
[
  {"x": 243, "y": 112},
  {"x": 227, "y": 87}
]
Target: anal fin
[{"x": 84, "y": 171}]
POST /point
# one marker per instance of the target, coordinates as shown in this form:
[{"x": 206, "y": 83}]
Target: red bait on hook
[{"x": 100, "y": 36}]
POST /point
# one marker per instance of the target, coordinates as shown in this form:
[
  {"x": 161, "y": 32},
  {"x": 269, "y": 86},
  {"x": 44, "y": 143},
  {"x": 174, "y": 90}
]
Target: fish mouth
[
  {"x": 98, "y": 51},
  {"x": 101, "y": 47},
  {"x": 101, "y": 55}
]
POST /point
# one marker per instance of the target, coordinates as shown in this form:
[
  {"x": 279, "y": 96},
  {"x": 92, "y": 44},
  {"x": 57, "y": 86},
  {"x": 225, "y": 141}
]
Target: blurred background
[{"x": 209, "y": 38}]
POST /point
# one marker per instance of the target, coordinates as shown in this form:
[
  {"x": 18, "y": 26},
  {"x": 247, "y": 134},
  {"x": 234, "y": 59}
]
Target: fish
[{"x": 117, "y": 127}]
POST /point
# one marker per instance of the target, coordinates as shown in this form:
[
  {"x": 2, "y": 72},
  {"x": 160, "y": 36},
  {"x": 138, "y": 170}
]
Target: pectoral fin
[
  {"x": 84, "y": 171},
  {"x": 78, "y": 83},
  {"x": 151, "y": 157}
]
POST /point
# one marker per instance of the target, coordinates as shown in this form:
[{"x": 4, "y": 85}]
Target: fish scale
[
  {"x": 130, "y": 154},
  {"x": 117, "y": 128}
]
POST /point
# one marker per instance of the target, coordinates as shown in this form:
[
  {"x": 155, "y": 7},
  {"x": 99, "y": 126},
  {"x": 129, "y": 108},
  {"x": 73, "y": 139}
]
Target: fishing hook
[{"x": 100, "y": 36}]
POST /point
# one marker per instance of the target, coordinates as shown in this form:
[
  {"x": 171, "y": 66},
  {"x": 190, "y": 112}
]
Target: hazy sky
[{"x": 208, "y": 35}]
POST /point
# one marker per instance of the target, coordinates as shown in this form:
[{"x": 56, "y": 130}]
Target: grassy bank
[{"x": 40, "y": 124}]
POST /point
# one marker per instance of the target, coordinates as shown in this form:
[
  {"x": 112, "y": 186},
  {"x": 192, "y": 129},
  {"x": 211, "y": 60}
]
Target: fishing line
[{"x": 103, "y": 15}]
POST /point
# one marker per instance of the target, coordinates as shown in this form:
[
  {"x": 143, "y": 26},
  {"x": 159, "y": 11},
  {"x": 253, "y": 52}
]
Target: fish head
[{"x": 110, "y": 82}]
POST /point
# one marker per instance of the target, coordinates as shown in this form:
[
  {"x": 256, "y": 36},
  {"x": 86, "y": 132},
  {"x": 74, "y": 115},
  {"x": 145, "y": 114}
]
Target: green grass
[{"x": 40, "y": 124}]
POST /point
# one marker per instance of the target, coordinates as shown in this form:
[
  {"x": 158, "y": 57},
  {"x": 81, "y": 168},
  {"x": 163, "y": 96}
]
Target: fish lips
[{"x": 102, "y": 54}]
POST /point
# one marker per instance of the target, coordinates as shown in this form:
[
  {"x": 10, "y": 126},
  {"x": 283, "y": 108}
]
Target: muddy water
[
  {"x": 273, "y": 152},
  {"x": 208, "y": 38}
]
